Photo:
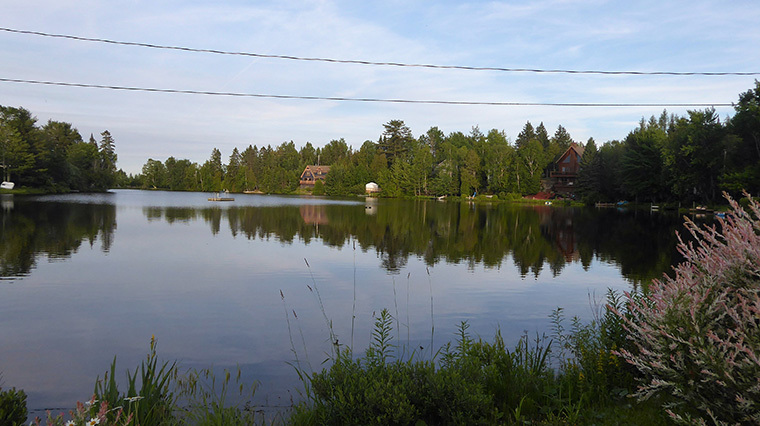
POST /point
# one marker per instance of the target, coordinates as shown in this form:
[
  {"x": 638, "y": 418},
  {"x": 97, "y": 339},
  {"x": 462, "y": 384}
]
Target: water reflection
[
  {"x": 535, "y": 237},
  {"x": 53, "y": 230}
]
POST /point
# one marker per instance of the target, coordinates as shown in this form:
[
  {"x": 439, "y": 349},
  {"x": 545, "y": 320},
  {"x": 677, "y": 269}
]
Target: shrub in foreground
[
  {"x": 696, "y": 335},
  {"x": 12, "y": 407}
]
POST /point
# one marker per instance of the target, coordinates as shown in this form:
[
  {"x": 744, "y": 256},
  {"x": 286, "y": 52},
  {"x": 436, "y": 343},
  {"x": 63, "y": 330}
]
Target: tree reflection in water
[{"x": 534, "y": 237}]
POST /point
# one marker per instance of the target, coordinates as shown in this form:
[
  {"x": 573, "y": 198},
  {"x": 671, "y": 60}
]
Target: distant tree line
[
  {"x": 669, "y": 158},
  {"x": 433, "y": 164},
  {"x": 54, "y": 157},
  {"x": 666, "y": 158}
]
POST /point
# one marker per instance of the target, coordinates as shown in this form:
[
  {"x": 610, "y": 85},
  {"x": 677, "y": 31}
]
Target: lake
[{"x": 255, "y": 282}]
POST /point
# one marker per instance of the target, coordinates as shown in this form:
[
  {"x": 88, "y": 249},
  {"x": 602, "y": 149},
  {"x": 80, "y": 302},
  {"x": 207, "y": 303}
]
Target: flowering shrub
[{"x": 697, "y": 335}]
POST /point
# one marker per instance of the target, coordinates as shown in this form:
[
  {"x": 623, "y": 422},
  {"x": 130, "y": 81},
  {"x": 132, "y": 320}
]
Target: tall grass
[
  {"x": 473, "y": 381},
  {"x": 158, "y": 394}
]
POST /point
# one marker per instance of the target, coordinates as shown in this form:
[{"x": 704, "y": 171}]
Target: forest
[
  {"x": 666, "y": 158},
  {"x": 54, "y": 157}
]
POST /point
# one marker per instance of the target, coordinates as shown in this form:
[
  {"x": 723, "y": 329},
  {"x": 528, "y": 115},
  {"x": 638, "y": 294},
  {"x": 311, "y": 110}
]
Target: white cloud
[{"x": 596, "y": 34}]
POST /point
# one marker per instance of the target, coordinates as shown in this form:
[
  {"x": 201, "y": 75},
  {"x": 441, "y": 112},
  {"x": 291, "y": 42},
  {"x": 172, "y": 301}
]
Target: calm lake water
[{"x": 86, "y": 277}]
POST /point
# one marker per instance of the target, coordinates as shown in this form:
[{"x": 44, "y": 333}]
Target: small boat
[{"x": 7, "y": 185}]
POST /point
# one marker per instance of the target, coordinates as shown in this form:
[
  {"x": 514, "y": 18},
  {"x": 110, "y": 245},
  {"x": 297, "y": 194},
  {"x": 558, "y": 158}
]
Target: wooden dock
[{"x": 218, "y": 197}]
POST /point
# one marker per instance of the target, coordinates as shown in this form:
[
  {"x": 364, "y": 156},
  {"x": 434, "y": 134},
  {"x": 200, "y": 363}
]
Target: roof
[
  {"x": 575, "y": 147},
  {"x": 579, "y": 149},
  {"x": 324, "y": 169}
]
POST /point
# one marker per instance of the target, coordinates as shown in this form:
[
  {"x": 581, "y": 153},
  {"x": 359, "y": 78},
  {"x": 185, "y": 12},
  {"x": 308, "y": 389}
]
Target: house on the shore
[
  {"x": 564, "y": 177},
  {"x": 311, "y": 174}
]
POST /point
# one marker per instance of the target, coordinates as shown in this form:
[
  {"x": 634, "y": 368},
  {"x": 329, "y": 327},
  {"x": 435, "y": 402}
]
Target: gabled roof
[
  {"x": 574, "y": 147},
  {"x": 323, "y": 169},
  {"x": 579, "y": 149}
]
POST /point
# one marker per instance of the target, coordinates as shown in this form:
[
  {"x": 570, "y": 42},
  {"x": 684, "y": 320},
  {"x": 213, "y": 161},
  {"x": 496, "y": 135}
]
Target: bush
[
  {"x": 12, "y": 407},
  {"x": 475, "y": 382},
  {"x": 319, "y": 188},
  {"x": 696, "y": 335}
]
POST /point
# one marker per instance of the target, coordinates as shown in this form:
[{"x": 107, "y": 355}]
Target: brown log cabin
[
  {"x": 311, "y": 174},
  {"x": 565, "y": 177}
]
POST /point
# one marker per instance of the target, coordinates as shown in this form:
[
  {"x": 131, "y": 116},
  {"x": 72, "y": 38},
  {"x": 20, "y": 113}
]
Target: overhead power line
[
  {"x": 374, "y": 63},
  {"x": 338, "y": 98}
]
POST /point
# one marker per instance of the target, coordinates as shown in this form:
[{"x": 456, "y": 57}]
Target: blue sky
[{"x": 682, "y": 36}]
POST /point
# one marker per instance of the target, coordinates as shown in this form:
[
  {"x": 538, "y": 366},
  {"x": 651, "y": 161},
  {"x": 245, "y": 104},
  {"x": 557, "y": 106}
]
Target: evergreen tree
[
  {"x": 589, "y": 175},
  {"x": 395, "y": 141},
  {"x": 434, "y": 138},
  {"x": 542, "y": 135},
  {"x": 526, "y": 135},
  {"x": 308, "y": 155},
  {"x": 562, "y": 138},
  {"x": 108, "y": 158},
  {"x": 742, "y": 170},
  {"x": 234, "y": 179},
  {"x": 642, "y": 170},
  {"x": 694, "y": 156}
]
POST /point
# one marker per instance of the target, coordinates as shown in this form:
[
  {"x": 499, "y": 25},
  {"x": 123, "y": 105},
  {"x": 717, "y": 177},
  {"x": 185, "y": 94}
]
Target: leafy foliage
[
  {"x": 696, "y": 336},
  {"x": 12, "y": 407},
  {"x": 54, "y": 157}
]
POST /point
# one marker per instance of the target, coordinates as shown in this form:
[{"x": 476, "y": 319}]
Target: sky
[{"x": 646, "y": 36}]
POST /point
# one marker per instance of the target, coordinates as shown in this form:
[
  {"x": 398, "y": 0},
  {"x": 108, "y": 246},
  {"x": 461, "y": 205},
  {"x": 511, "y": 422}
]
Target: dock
[{"x": 218, "y": 197}]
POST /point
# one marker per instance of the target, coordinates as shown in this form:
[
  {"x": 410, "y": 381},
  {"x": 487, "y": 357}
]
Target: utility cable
[
  {"x": 379, "y": 100},
  {"x": 373, "y": 63}
]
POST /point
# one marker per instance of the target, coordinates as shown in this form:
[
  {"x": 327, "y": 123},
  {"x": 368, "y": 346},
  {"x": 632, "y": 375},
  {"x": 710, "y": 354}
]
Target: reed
[{"x": 335, "y": 344}]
